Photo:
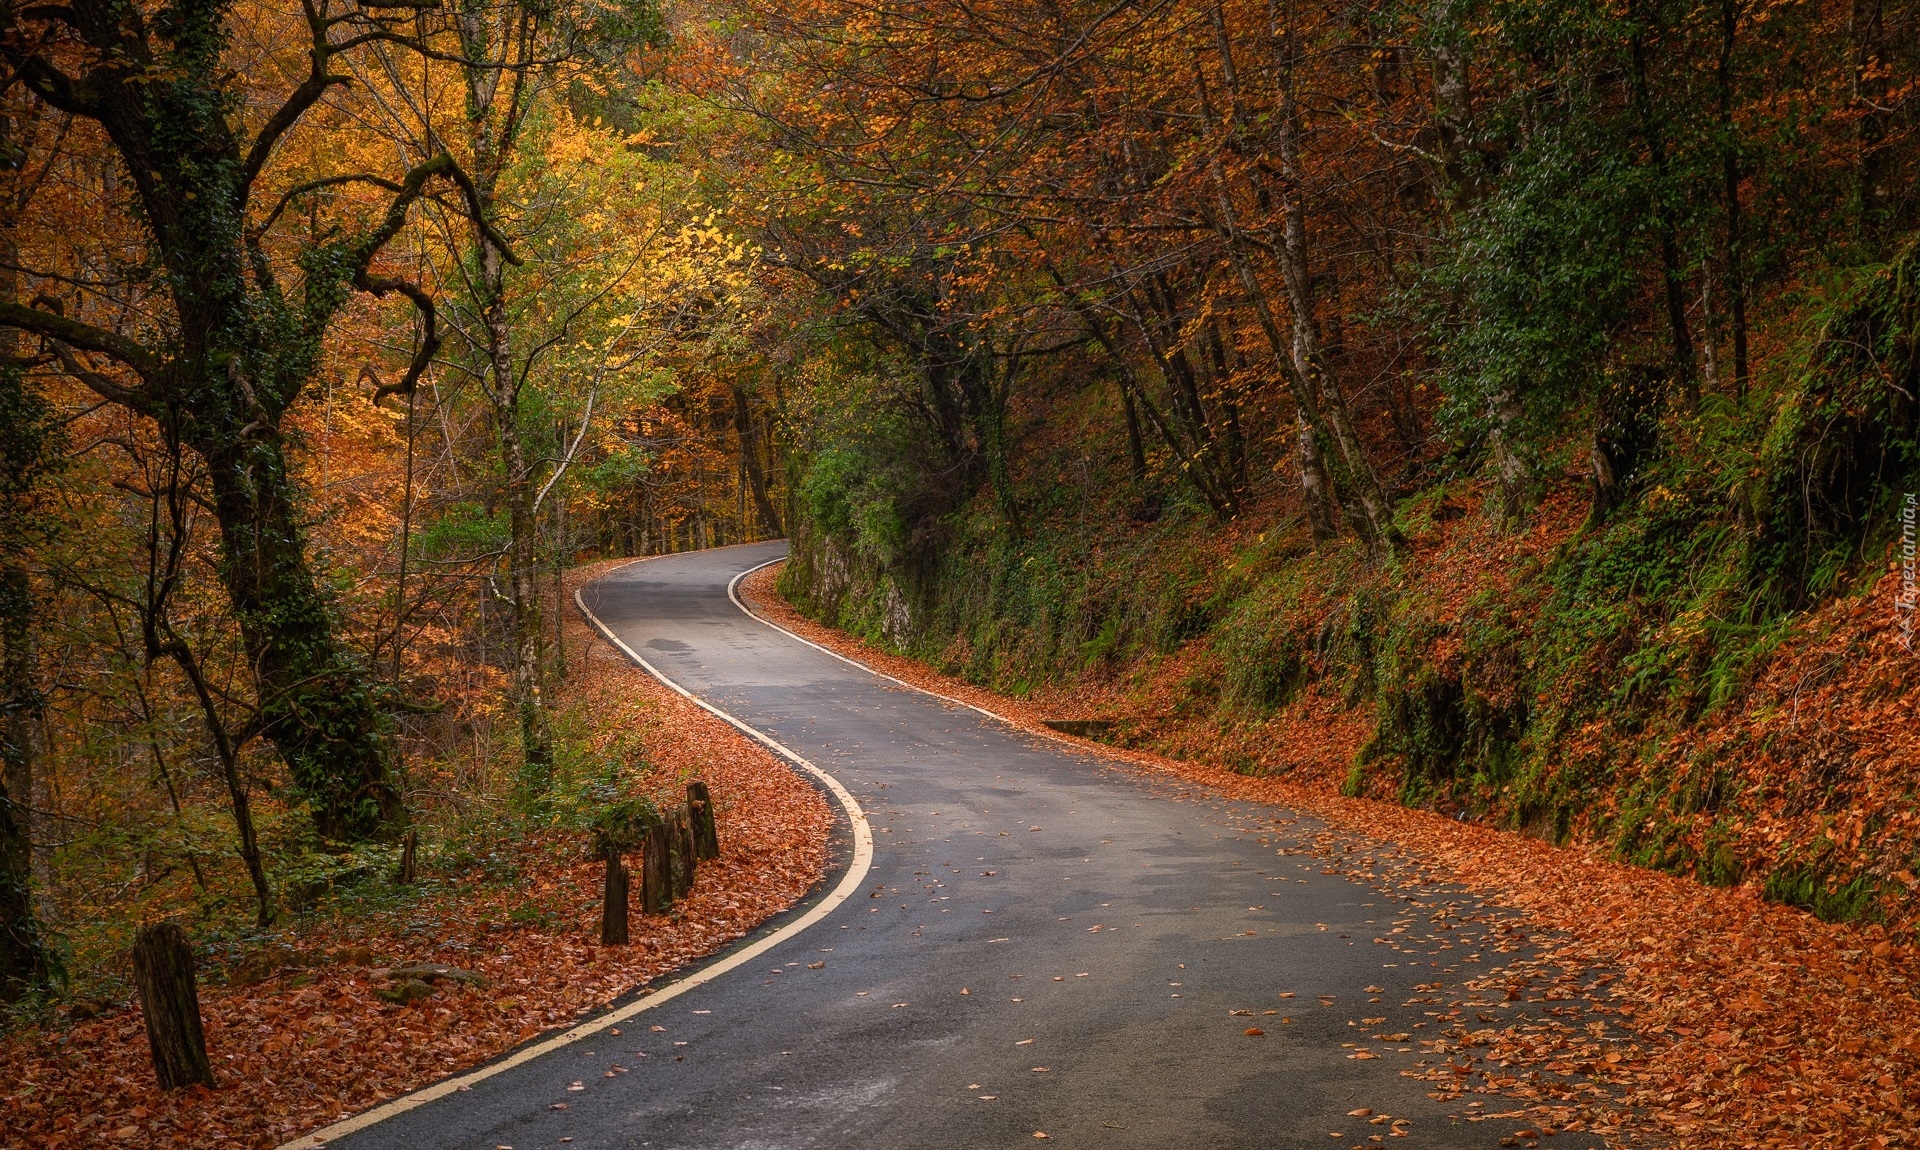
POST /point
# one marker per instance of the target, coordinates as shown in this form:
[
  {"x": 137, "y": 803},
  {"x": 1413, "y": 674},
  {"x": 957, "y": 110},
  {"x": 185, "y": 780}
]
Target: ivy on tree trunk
[{"x": 243, "y": 339}]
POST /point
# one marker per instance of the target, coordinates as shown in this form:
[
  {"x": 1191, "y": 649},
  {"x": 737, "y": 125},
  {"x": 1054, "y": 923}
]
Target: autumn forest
[{"x": 1507, "y": 409}]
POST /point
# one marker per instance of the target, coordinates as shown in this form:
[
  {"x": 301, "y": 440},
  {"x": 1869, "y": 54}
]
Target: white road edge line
[
  {"x": 856, "y": 874},
  {"x": 857, "y": 663},
  {"x": 1073, "y": 742}
]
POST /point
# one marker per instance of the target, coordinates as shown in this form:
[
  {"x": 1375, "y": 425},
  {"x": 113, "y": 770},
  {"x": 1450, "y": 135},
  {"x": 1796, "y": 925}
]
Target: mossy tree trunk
[
  {"x": 498, "y": 45},
  {"x": 239, "y": 344},
  {"x": 29, "y": 444},
  {"x": 23, "y": 957}
]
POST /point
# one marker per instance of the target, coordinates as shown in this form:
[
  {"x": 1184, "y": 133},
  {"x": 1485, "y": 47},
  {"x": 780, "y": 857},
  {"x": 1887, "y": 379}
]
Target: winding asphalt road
[{"x": 1047, "y": 942}]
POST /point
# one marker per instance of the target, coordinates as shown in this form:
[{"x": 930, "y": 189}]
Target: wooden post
[
  {"x": 613, "y": 911},
  {"x": 406, "y": 856},
  {"x": 680, "y": 843},
  {"x": 163, "y": 973},
  {"x": 706, "y": 833},
  {"x": 656, "y": 886}
]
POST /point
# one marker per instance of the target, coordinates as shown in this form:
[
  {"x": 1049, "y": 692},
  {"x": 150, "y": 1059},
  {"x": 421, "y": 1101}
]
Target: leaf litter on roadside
[
  {"x": 304, "y": 1048},
  {"x": 1729, "y": 1021}
]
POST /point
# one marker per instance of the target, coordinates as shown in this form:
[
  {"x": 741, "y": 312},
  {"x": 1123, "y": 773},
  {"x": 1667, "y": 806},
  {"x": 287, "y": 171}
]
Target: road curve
[{"x": 1046, "y": 942}]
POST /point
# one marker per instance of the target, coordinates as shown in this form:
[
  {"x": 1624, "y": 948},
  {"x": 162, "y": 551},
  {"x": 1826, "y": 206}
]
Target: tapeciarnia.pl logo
[{"x": 1909, "y": 597}]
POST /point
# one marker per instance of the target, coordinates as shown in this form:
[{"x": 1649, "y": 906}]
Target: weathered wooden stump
[
  {"x": 706, "y": 833},
  {"x": 656, "y": 883},
  {"x": 613, "y": 910},
  {"x": 407, "y": 847},
  {"x": 170, "y": 1000},
  {"x": 680, "y": 847}
]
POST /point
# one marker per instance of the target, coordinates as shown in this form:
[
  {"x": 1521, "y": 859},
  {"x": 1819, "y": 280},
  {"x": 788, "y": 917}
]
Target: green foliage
[
  {"x": 619, "y": 820},
  {"x": 306, "y": 877},
  {"x": 853, "y": 496},
  {"x": 463, "y": 531},
  {"x": 619, "y": 467},
  {"x": 1645, "y": 621},
  {"x": 1844, "y": 445},
  {"x": 1268, "y": 658},
  {"x": 617, "y": 27},
  {"x": 1457, "y": 725},
  {"x": 591, "y": 790},
  {"x": 32, "y": 448},
  {"x": 1809, "y": 887},
  {"x": 1541, "y": 279}
]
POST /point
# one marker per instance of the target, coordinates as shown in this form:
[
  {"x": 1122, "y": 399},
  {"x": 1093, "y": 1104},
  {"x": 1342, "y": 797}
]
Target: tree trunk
[
  {"x": 1136, "y": 402},
  {"x": 224, "y": 749},
  {"x": 1730, "y": 192},
  {"x": 1315, "y": 491},
  {"x": 562, "y": 551},
  {"x": 680, "y": 850},
  {"x": 1458, "y": 170},
  {"x": 613, "y": 909},
  {"x": 523, "y": 602},
  {"x": 1233, "y": 442},
  {"x": 495, "y": 116},
  {"x": 526, "y": 639},
  {"x": 23, "y": 957},
  {"x": 170, "y": 1000},
  {"x": 1192, "y": 451},
  {"x": 706, "y": 832},
  {"x": 1506, "y": 506},
  {"x": 750, "y": 459},
  {"x": 1136, "y": 450},
  {"x": 1866, "y": 26},
  {"x": 314, "y": 702},
  {"x": 1672, "y": 273},
  {"x": 656, "y": 870},
  {"x": 1302, "y": 358}
]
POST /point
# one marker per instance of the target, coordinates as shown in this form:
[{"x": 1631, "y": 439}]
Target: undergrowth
[{"x": 1565, "y": 680}]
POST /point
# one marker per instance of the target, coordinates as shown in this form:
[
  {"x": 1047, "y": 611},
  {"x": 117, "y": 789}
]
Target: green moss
[
  {"x": 1807, "y": 886},
  {"x": 1547, "y": 702}
]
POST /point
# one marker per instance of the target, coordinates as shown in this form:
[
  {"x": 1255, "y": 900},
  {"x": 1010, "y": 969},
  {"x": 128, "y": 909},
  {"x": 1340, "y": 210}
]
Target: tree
[
  {"x": 236, "y": 311},
  {"x": 511, "y": 56},
  {"x": 30, "y": 446}
]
